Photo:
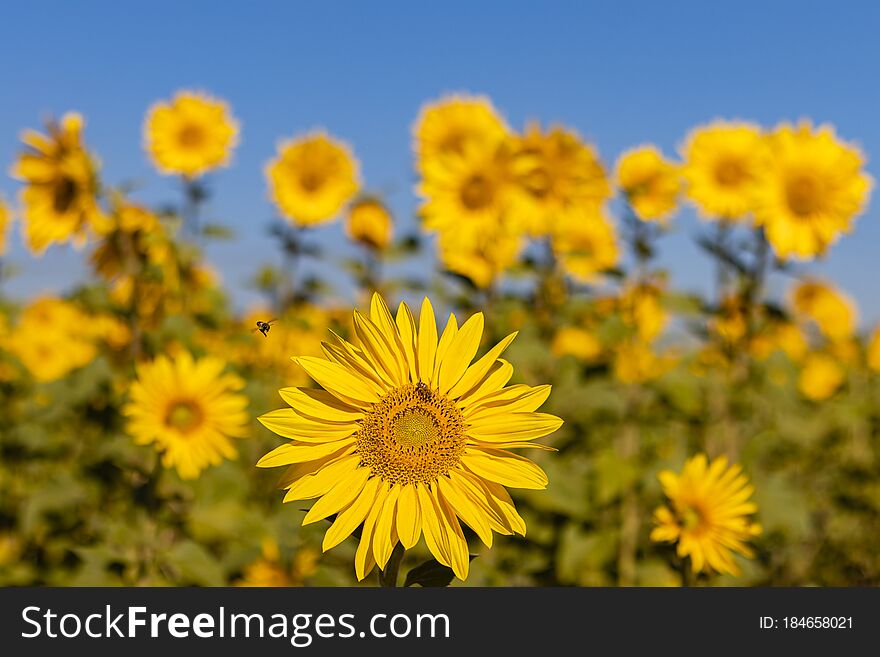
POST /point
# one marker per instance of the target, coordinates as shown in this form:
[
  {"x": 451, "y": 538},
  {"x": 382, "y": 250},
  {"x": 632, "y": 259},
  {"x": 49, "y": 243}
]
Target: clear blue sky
[{"x": 622, "y": 73}]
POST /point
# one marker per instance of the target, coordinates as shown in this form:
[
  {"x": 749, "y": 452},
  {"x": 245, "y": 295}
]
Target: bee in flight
[{"x": 263, "y": 327}]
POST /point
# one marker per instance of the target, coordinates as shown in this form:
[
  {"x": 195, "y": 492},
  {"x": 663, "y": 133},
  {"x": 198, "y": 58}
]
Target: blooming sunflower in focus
[
  {"x": 832, "y": 311},
  {"x": 5, "y": 220},
  {"x": 312, "y": 178},
  {"x": 189, "y": 409},
  {"x": 190, "y": 135},
  {"x": 724, "y": 164},
  {"x": 409, "y": 438},
  {"x": 586, "y": 244},
  {"x": 815, "y": 187},
  {"x": 470, "y": 192},
  {"x": 650, "y": 183},
  {"x": 369, "y": 223},
  {"x": 59, "y": 200},
  {"x": 450, "y": 125},
  {"x": 481, "y": 257},
  {"x": 558, "y": 174},
  {"x": 708, "y": 514}
]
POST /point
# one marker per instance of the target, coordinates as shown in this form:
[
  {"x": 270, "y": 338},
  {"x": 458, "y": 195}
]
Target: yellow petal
[
  {"x": 443, "y": 345},
  {"x": 381, "y": 316},
  {"x": 512, "y": 399},
  {"x": 363, "y": 558},
  {"x": 377, "y": 350},
  {"x": 427, "y": 341},
  {"x": 458, "y": 547},
  {"x": 504, "y": 468},
  {"x": 288, "y": 423},
  {"x": 353, "y": 358},
  {"x": 434, "y": 537},
  {"x": 320, "y": 404},
  {"x": 471, "y": 486},
  {"x": 347, "y": 521},
  {"x": 409, "y": 520},
  {"x": 287, "y": 454},
  {"x": 335, "y": 379},
  {"x": 500, "y": 500},
  {"x": 498, "y": 376},
  {"x": 318, "y": 484},
  {"x": 298, "y": 470},
  {"x": 338, "y": 497},
  {"x": 461, "y": 352},
  {"x": 466, "y": 509},
  {"x": 476, "y": 372},
  {"x": 406, "y": 327},
  {"x": 514, "y": 427},
  {"x": 382, "y": 543}
]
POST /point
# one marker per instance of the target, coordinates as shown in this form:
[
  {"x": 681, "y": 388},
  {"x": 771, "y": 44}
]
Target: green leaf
[{"x": 430, "y": 573}]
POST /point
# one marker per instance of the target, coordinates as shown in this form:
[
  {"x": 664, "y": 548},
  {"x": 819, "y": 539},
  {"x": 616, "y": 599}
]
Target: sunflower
[
  {"x": 586, "y": 244},
  {"x": 469, "y": 192},
  {"x": 636, "y": 362},
  {"x": 558, "y": 174},
  {"x": 60, "y": 197},
  {"x": 268, "y": 571},
  {"x": 190, "y": 135},
  {"x": 650, "y": 183},
  {"x": 5, "y": 220},
  {"x": 450, "y": 125},
  {"x": 815, "y": 187},
  {"x": 312, "y": 178},
  {"x": 369, "y": 223},
  {"x": 708, "y": 514},
  {"x": 724, "y": 164},
  {"x": 189, "y": 409},
  {"x": 832, "y": 311},
  {"x": 481, "y": 257},
  {"x": 873, "y": 350},
  {"x": 408, "y": 437},
  {"x": 641, "y": 308},
  {"x": 577, "y": 342},
  {"x": 821, "y": 377}
]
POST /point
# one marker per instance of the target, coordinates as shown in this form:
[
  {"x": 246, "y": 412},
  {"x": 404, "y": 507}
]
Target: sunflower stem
[{"x": 388, "y": 576}]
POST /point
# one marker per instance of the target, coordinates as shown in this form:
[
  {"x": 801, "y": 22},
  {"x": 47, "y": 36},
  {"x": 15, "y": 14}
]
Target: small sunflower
[
  {"x": 369, "y": 223},
  {"x": 708, "y": 514},
  {"x": 470, "y": 192},
  {"x": 820, "y": 377},
  {"x": 312, "y": 178},
  {"x": 586, "y": 244},
  {"x": 481, "y": 257},
  {"x": 450, "y": 125},
  {"x": 190, "y": 135},
  {"x": 650, "y": 183},
  {"x": 558, "y": 174},
  {"x": 724, "y": 164},
  {"x": 816, "y": 185},
  {"x": 833, "y": 312},
  {"x": 189, "y": 409},
  {"x": 59, "y": 201},
  {"x": 408, "y": 437}
]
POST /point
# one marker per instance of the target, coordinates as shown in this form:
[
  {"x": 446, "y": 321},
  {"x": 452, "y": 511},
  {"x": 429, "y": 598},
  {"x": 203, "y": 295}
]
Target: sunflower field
[{"x": 512, "y": 393}]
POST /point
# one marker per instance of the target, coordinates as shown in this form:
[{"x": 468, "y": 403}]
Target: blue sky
[{"x": 621, "y": 73}]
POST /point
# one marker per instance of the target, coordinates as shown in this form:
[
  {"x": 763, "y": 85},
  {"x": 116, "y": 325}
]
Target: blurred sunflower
[
  {"x": 312, "y": 178},
  {"x": 5, "y": 220},
  {"x": 635, "y": 362},
  {"x": 267, "y": 570},
  {"x": 832, "y": 311},
  {"x": 190, "y": 135},
  {"x": 470, "y": 192},
  {"x": 369, "y": 223},
  {"x": 449, "y": 126},
  {"x": 783, "y": 336},
  {"x": 407, "y": 437},
  {"x": 558, "y": 174},
  {"x": 873, "y": 350},
  {"x": 577, "y": 342},
  {"x": 708, "y": 514},
  {"x": 189, "y": 409},
  {"x": 481, "y": 257},
  {"x": 59, "y": 201},
  {"x": 815, "y": 187},
  {"x": 724, "y": 164},
  {"x": 640, "y": 306},
  {"x": 586, "y": 244},
  {"x": 820, "y": 377},
  {"x": 650, "y": 183}
]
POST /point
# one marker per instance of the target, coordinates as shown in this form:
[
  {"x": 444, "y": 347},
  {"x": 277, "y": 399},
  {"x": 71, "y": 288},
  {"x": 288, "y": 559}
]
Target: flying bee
[{"x": 263, "y": 327}]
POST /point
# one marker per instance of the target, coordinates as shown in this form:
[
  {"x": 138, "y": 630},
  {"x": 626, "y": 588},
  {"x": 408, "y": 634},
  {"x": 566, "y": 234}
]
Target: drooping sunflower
[
  {"x": 833, "y": 312},
  {"x": 708, "y": 514},
  {"x": 816, "y": 185},
  {"x": 5, "y": 220},
  {"x": 190, "y": 135},
  {"x": 586, "y": 244},
  {"x": 650, "y": 183},
  {"x": 369, "y": 223},
  {"x": 557, "y": 173},
  {"x": 189, "y": 409},
  {"x": 312, "y": 178},
  {"x": 481, "y": 256},
  {"x": 450, "y": 125},
  {"x": 408, "y": 437},
  {"x": 470, "y": 192},
  {"x": 724, "y": 165},
  {"x": 59, "y": 200}
]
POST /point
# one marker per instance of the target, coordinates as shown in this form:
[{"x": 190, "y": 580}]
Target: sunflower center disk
[
  {"x": 803, "y": 195},
  {"x": 192, "y": 136},
  {"x": 183, "y": 416},
  {"x": 729, "y": 173},
  {"x": 412, "y": 435}
]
